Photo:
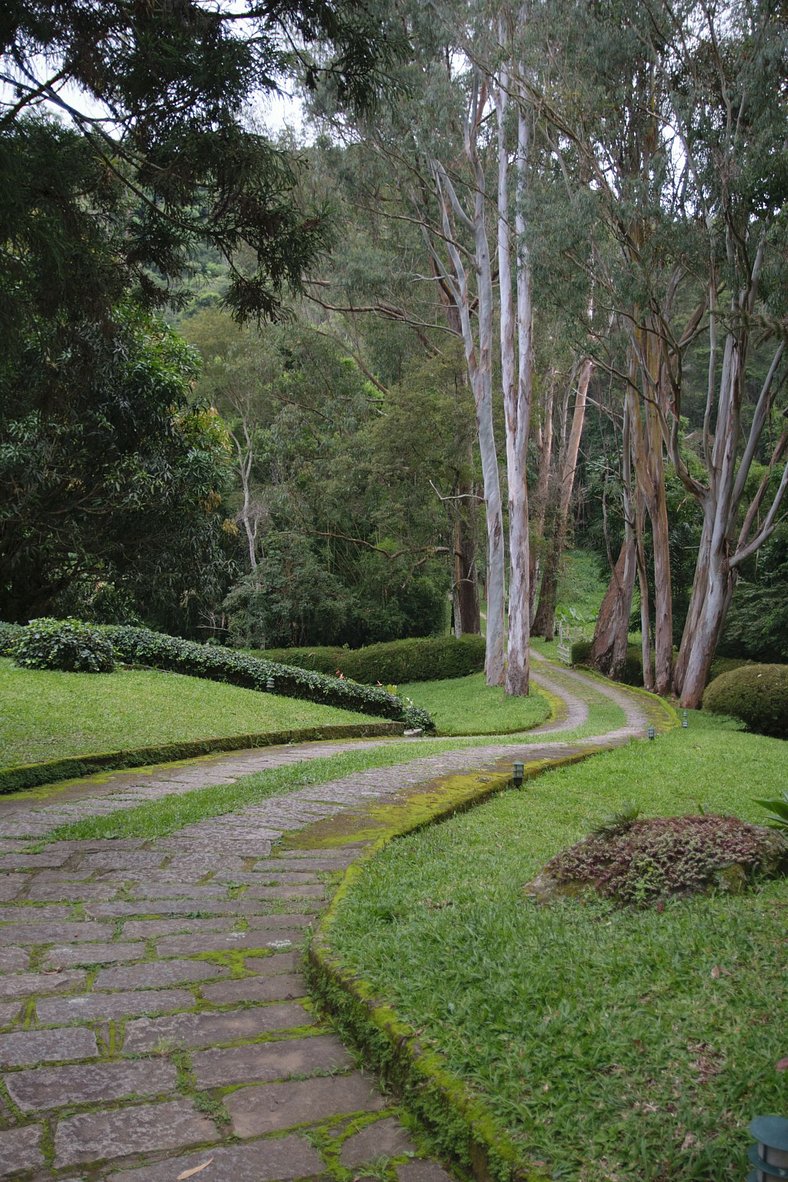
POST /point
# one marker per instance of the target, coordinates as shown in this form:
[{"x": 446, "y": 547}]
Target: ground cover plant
[
  {"x": 609, "y": 1043},
  {"x": 466, "y": 706},
  {"x": 50, "y": 715}
]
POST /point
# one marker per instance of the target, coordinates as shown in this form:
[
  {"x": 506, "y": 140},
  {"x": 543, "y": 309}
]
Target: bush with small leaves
[
  {"x": 647, "y": 861},
  {"x": 422, "y": 658},
  {"x": 141, "y": 646},
  {"x": 755, "y": 694},
  {"x": 68, "y": 645},
  {"x": 9, "y": 634}
]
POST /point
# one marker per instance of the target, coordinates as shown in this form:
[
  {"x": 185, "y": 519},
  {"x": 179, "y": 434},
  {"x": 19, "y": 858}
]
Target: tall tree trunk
[
  {"x": 538, "y": 506},
  {"x": 544, "y": 622},
  {"x": 465, "y": 591},
  {"x": 609, "y": 646},
  {"x": 517, "y": 385}
]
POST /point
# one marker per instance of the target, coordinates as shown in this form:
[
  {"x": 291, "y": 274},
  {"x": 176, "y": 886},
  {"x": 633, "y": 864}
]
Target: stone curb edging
[
  {"x": 461, "y": 1125},
  {"x": 32, "y": 775}
]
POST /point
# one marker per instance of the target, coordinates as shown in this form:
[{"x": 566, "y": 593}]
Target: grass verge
[
  {"x": 467, "y": 706},
  {"x": 47, "y": 715},
  {"x": 605, "y": 1044}
]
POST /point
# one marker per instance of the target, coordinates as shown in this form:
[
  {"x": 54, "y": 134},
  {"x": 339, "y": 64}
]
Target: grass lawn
[
  {"x": 47, "y": 715},
  {"x": 466, "y": 706},
  {"x": 612, "y": 1045}
]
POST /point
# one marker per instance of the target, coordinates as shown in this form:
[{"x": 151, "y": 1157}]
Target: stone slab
[
  {"x": 35, "y": 914},
  {"x": 146, "y": 929},
  {"x": 156, "y": 974},
  {"x": 51, "y": 933},
  {"x": 277, "y": 962},
  {"x": 9, "y": 1012},
  {"x": 312, "y": 890},
  {"x": 270, "y": 1061},
  {"x": 280, "y": 987},
  {"x": 19, "y": 984},
  {"x": 20, "y": 1150},
  {"x": 22, "y": 1048},
  {"x": 89, "y": 1083},
  {"x": 44, "y": 892},
  {"x": 253, "y": 938},
  {"x": 143, "y": 1128},
  {"x": 122, "y": 861},
  {"x": 11, "y": 885},
  {"x": 66, "y": 956},
  {"x": 264, "y": 1161},
  {"x": 96, "y": 1007},
  {"x": 205, "y": 1030},
  {"x": 13, "y": 960},
  {"x": 384, "y": 1138},
  {"x": 277, "y": 1106},
  {"x": 45, "y": 861}
]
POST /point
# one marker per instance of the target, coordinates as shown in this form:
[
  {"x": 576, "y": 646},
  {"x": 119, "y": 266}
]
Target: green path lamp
[
  {"x": 518, "y": 774},
  {"x": 770, "y": 1155}
]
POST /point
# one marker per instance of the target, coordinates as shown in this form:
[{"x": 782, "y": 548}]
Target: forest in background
[{"x": 524, "y": 286}]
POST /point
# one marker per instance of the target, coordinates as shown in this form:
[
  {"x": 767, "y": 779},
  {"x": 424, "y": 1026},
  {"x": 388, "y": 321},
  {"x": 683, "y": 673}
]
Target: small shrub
[
  {"x": 755, "y": 694},
  {"x": 645, "y": 861},
  {"x": 428, "y": 658},
  {"x": 141, "y": 646},
  {"x": 9, "y": 634},
  {"x": 580, "y": 652},
  {"x": 68, "y": 645}
]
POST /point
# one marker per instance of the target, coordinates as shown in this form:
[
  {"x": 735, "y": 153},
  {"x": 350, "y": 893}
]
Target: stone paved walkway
[{"x": 153, "y": 1019}]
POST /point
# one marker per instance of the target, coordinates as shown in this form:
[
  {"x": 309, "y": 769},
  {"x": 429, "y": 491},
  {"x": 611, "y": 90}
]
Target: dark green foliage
[
  {"x": 70, "y": 645},
  {"x": 140, "y": 646},
  {"x": 111, "y": 482},
  {"x": 641, "y": 862},
  {"x": 429, "y": 658},
  {"x": 757, "y": 623},
  {"x": 756, "y": 694},
  {"x": 9, "y": 633},
  {"x": 177, "y": 79},
  {"x": 14, "y": 779}
]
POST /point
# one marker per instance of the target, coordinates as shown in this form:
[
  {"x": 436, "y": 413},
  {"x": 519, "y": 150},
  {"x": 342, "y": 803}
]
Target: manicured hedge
[
  {"x": 69, "y": 645},
  {"x": 9, "y": 634},
  {"x": 756, "y": 694},
  {"x": 427, "y": 658},
  {"x": 140, "y": 646}
]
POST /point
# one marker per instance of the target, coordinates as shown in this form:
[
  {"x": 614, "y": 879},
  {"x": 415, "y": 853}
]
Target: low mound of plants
[
  {"x": 641, "y": 862},
  {"x": 141, "y": 646},
  {"x": 9, "y": 634},
  {"x": 755, "y": 694},
  {"x": 424, "y": 658},
  {"x": 67, "y": 645}
]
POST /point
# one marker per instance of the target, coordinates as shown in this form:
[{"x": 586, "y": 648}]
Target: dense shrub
[
  {"x": 140, "y": 646},
  {"x": 756, "y": 694},
  {"x": 9, "y": 633},
  {"x": 70, "y": 645},
  {"x": 428, "y": 658},
  {"x": 644, "y": 861}
]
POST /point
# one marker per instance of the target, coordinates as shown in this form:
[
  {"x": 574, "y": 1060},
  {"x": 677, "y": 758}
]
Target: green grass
[
  {"x": 609, "y": 1044},
  {"x": 47, "y": 715},
  {"x": 467, "y": 706}
]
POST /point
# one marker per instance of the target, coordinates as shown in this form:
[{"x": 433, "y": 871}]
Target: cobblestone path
[{"x": 153, "y": 1018}]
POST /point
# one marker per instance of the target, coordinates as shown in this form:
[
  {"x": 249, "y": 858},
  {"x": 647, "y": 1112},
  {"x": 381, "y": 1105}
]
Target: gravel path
[{"x": 153, "y": 1018}]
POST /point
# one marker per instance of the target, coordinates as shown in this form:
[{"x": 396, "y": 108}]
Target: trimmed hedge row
[
  {"x": 30, "y": 775},
  {"x": 755, "y": 694},
  {"x": 70, "y": 645},
  {"x": 424, "y": 658},
  {"x": 141, "y": 646}
]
